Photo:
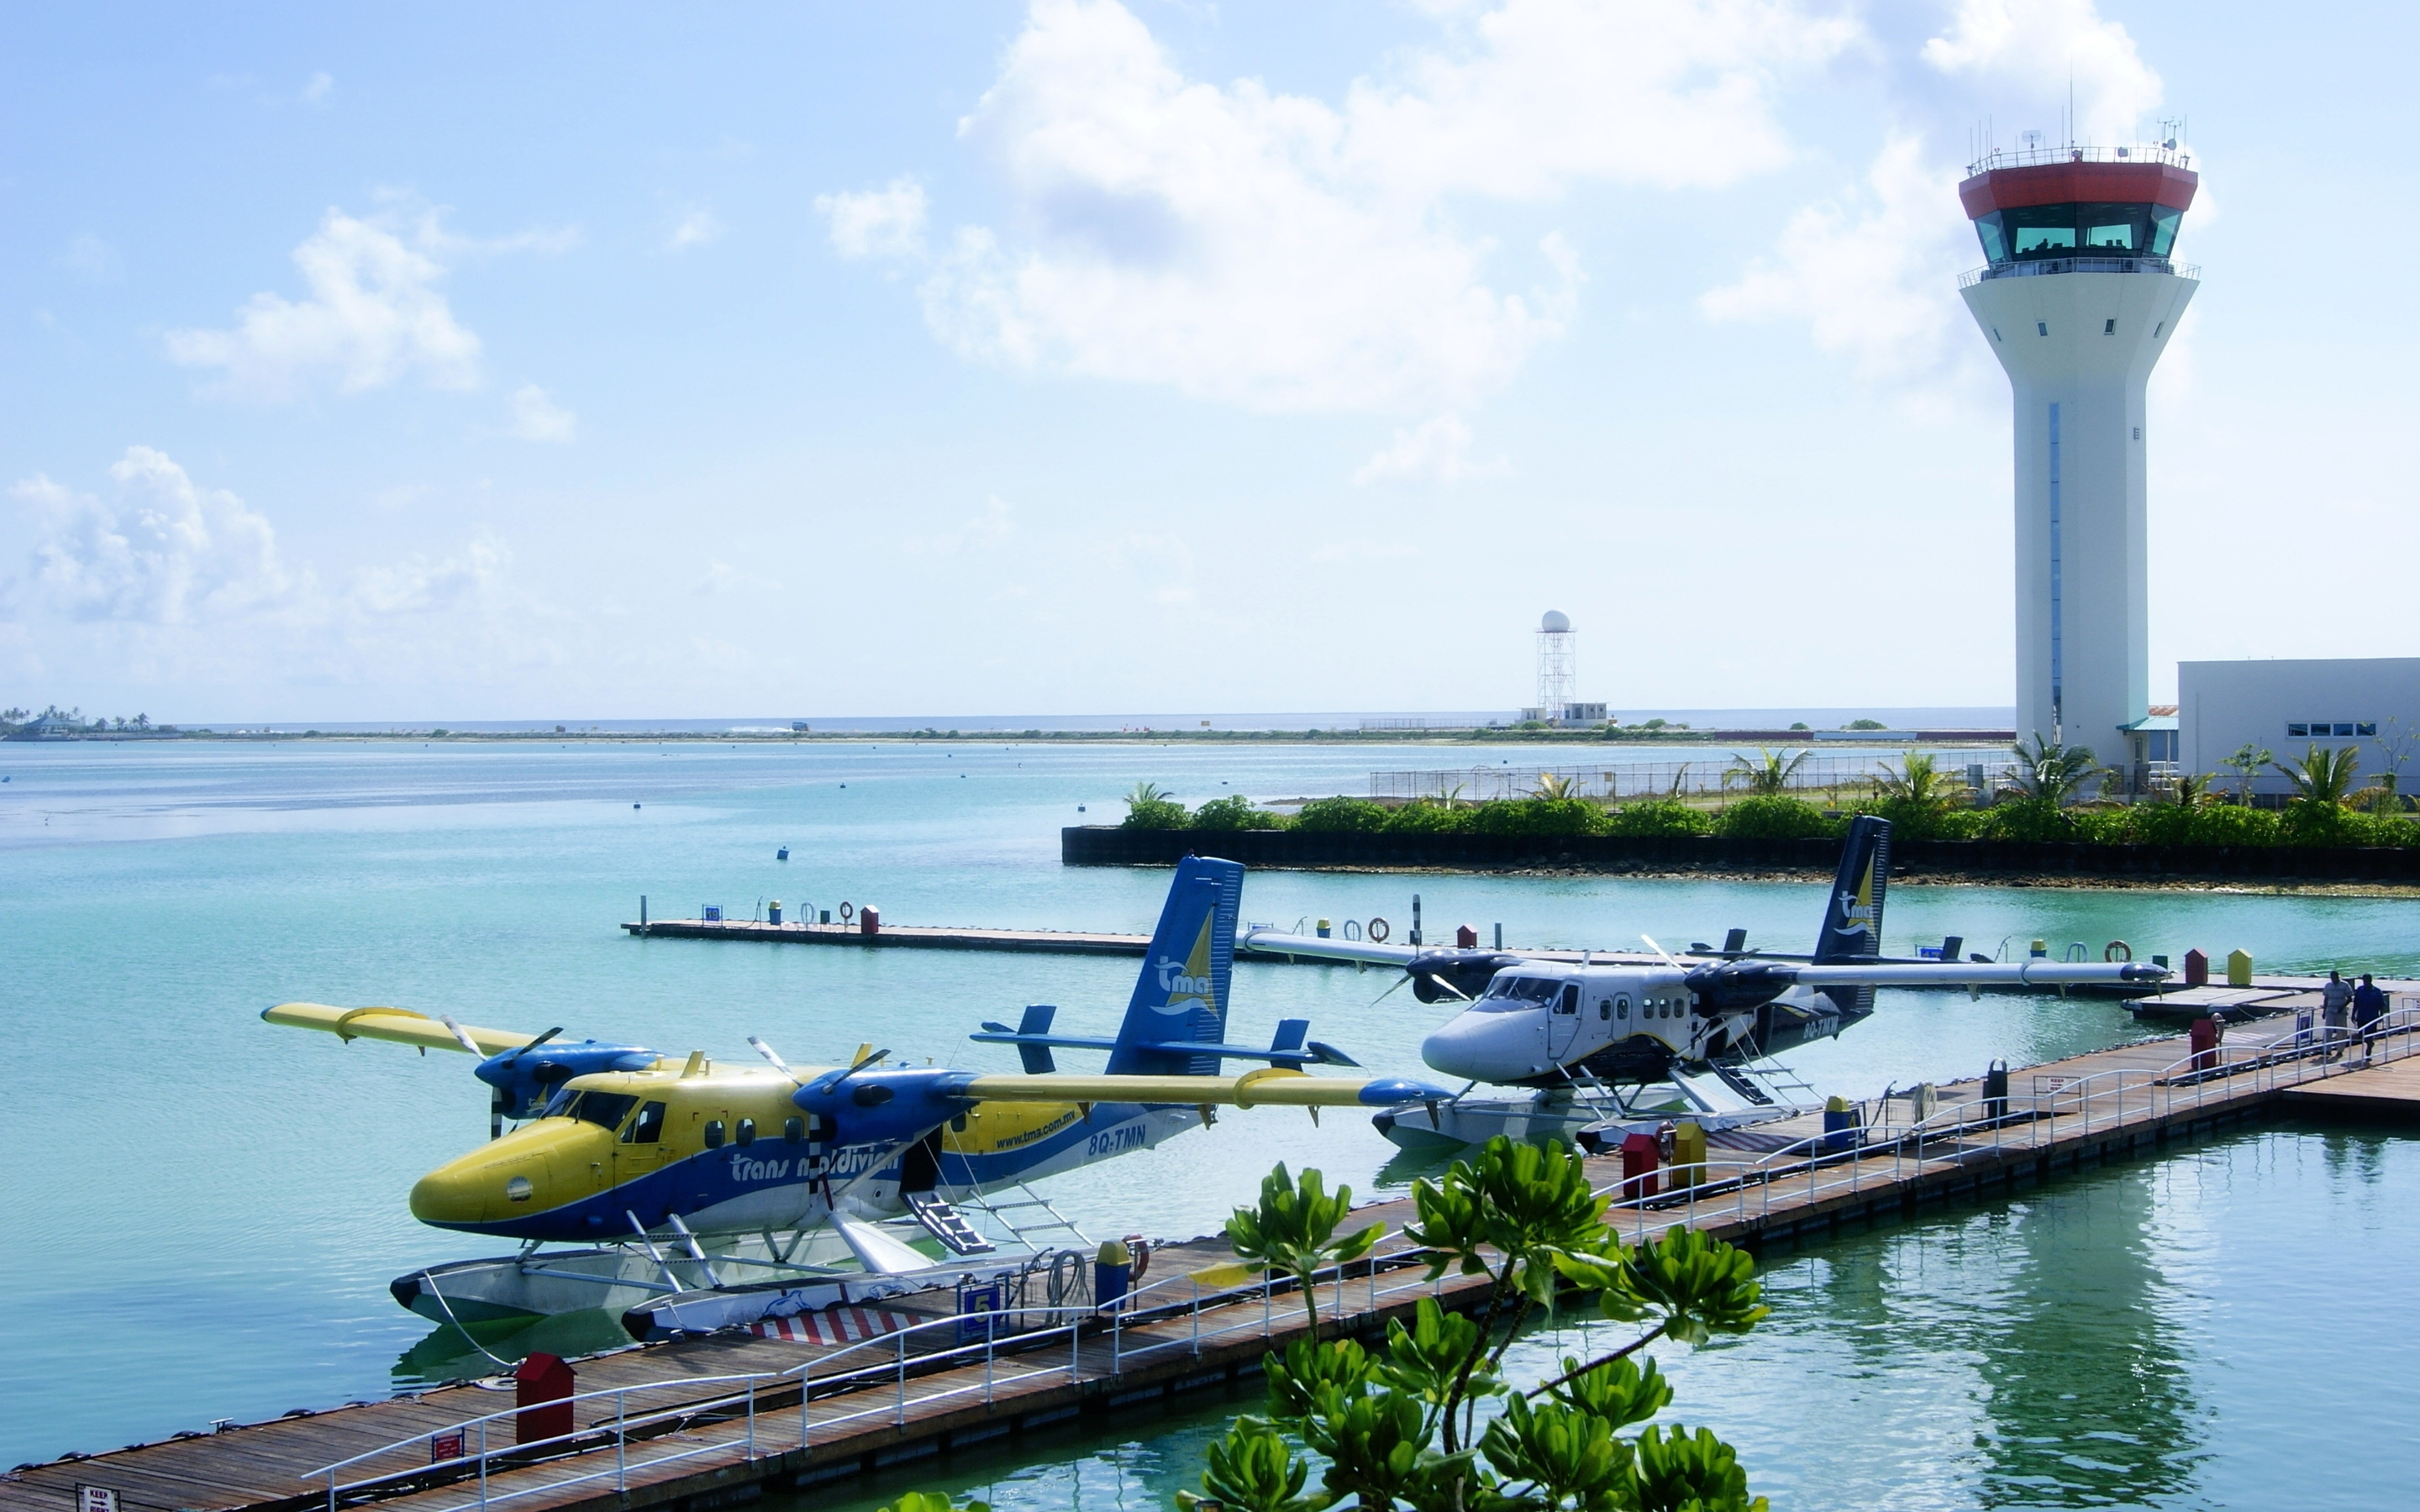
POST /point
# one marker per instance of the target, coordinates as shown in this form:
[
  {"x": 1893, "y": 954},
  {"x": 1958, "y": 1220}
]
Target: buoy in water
[
  {"x": 782, "y": 854},
  {"x": 634, "y": 805}
]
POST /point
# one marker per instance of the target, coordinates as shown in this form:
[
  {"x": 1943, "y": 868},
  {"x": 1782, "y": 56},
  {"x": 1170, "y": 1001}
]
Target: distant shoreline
[{"x": 1878, "y": 739}]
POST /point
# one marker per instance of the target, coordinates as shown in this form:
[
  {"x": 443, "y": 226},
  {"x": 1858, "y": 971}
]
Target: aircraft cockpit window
[
  {"x": 559, "y": 1106},
  {"x": 647, "y": 1128},
  {"x": 604, "y": 1109},
  {"x": 1570, "y": 1001},
  {"x": 1511, "y": 995}
]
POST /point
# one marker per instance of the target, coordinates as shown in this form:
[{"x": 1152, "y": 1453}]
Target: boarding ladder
[
  {"x": 946, "y": 1224},
  {"x": 1766, "y": 1083}
]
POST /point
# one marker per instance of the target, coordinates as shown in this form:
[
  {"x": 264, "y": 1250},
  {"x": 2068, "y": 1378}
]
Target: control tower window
[
  {"x": 2164, "y": 229},
  {"x": 2087, "y": 230}
]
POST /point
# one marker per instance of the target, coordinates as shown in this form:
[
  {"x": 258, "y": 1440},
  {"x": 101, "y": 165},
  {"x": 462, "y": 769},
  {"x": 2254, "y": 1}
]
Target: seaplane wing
[
  {"x": 1315, "y": 947},
  {"x": 1270, "y": 1086},
  {"x": 400, "y": 1025},
  {"x": 1973, "y": 973}
]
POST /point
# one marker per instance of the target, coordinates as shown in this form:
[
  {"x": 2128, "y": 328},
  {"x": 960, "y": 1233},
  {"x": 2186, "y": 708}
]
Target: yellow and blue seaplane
[{"x": 678, "y": 1174}]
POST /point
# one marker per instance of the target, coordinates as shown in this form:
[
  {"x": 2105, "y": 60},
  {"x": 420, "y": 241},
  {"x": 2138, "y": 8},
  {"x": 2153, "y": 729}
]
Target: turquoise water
[
  {"x": 2216, "y": 1328},
  {"x": 211, "y": 1207}
]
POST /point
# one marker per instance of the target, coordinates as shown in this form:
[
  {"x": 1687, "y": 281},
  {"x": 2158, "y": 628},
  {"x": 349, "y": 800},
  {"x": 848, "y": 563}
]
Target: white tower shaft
[{"x": 2078, "y": 348}]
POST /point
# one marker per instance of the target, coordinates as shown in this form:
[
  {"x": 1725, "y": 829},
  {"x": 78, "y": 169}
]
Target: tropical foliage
[
  {"x": 1769, "y": 775},
  {"x": 1235, "y": 811},
  {"x": 1293, "y": 1229},
  {"x": 1774, "y": 817},
  {"x": 1149, "y": 806},
  {"x": 2052, "y": 773}
]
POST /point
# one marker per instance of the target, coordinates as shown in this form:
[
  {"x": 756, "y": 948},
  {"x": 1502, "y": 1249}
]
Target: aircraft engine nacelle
[
  {"x": 884, "y": 1108},
  {"x": 526, "y": 1078},
  {"x": 1466, "y": 972}
]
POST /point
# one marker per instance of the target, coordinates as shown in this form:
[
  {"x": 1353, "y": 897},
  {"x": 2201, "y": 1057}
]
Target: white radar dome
[{"x": 1555, "y": 622}]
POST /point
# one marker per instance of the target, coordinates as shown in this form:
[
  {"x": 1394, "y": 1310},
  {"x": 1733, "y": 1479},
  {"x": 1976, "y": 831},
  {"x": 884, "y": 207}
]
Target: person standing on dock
[
  {"x": 2336, "y": 999},
  {"x": 2368, "y": 1007}
]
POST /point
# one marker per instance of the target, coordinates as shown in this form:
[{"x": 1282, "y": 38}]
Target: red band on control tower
[{"x": 2062, "y": 183}]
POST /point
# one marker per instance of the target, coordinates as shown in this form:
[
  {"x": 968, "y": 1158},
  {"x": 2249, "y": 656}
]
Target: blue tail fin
[
  {"x": 1181, "y": 995},
  {"x": 1853, "y": 914}
]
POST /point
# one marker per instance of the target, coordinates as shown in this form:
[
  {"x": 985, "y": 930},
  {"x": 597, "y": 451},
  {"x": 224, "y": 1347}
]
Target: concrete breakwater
[{"x": 1311, "y": 850}]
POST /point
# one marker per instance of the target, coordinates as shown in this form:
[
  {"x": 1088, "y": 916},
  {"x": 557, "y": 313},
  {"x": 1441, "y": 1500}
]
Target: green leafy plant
[
  {"x": 1537, "y": 816},
  {"x": 1293, "y": 1229},
  {"x": 1553, "y": 787},
  {"x": 1428, "y": 816},
  {"x": 2323, "y": 775},
  {"x": 1342, "y": 815},
  {"x": 1235, "y": 811},
  {"x": 2246, "y": 764},
  {"x": 1768, "y": 776},
  {"x": 2051, "y": 773},
  {"x": 1774, "y": 818},
  {"x": 1149, "y": 806},
  {"x": 1658, "y": 816}
]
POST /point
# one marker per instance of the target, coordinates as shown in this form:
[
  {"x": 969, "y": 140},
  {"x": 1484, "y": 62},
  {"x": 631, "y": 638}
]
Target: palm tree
[
  {"x": 2052, "y": 773},
  {"x": 1147, "y": 793},
  {"x": 1769, "y": 775},
  {"x": 2323, "y": 775},
  {"x": 2191, "y": 791},
  {"x": 1919, "y": 782},
  {"x": 1554, "y": 786}
]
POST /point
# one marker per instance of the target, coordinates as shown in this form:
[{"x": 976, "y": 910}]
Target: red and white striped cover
[{"x": 833, "y": 1325}]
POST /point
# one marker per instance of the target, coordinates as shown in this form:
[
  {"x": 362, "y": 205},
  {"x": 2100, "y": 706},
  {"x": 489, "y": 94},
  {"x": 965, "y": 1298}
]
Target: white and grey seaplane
[{"x": 1590, "y": 1042}]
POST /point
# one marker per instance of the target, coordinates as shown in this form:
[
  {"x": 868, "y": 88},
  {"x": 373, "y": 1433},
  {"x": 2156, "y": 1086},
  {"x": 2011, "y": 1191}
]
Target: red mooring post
[
  {"x": 2205, "y": 1033},
  {"x": 1638, "y": 1155},
  {"x": 542, "y": 1389},
  {"x": 2196, "y": 969}
]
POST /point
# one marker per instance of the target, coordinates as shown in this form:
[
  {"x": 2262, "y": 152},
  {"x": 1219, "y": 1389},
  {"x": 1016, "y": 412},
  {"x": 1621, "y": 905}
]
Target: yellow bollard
[
  {"x": 1688, "y": 1153},
  {"x": 2239, "y": 968}
]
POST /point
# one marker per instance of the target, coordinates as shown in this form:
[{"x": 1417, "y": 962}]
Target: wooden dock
[
  {"x": 895, "y": 936},
  {"x": 698, "y": 1422}
]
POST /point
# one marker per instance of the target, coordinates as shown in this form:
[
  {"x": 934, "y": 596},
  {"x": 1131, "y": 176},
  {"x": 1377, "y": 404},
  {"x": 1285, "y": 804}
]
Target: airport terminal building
[{"x": 2371, "y": 703}]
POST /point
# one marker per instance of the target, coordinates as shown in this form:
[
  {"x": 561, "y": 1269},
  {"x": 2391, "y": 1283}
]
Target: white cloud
[
  {"x": 2038, "y": 46},
  {"x": 1276, "y": 252},
  {"x": 1868, "y": 271},
  {"x": 90, "y": 257},
  {"x": 538, "y": 418},
  {"x": 992, "y": 527},
  {"x": 696, "y": 228},
  {"x": 317, "y": 92},
  {"x": 878, "y": 223},
  {"x": 168, "y": 552},
  {"x": 1437, "y": 452},
  {"x": 419, "y": 586},
  {"x": 373, "y": 315}
]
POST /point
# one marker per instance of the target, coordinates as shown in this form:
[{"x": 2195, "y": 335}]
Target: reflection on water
[
  {"x": 486, "y": 1348},
  {"x": 2147, "y": 1333}
]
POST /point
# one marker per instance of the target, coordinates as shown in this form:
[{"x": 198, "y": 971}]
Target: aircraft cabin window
[
  {"x": 1605, "y": 1008},
  {"x": 604, "y": 1109},
  {"x": 1570, "y": 1002},
  {"x": 647, "y": 1127},
  {"x": 747, "y": 1132},
  {"x": 794, "y": 1131},
  {"x": 714, "y": 1133},
  {"x": 1621, "y": 1008}
]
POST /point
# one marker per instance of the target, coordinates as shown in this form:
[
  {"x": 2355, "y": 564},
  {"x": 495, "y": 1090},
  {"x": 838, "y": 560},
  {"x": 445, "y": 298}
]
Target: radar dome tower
[
  {"x": 2078, "y": 300},
  {"x": 1557, "y": 665}
]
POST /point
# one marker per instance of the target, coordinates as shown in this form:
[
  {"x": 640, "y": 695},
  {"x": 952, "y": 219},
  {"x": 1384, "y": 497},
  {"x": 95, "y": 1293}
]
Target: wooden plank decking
[{"x": 2059, "y": 1114}]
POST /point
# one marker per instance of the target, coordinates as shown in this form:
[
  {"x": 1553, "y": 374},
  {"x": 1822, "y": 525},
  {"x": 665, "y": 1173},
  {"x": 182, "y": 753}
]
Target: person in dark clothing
[{"x": 2368, "y": 1007}]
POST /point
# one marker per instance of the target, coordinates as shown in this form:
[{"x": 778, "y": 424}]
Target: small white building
[{"x": 2287, "y": 707}]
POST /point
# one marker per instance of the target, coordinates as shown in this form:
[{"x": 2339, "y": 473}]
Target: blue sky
[{"x": 617, "y": 362}]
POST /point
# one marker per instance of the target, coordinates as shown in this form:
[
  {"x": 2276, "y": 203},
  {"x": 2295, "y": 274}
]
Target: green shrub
[
  {"x": 2308, "y": 823},
  {"x": 2227, "y": 823},
  {"x": 2035, "y": 819},
  {"x": 1340, "y": 815},
  {"x": 1536, "y": 816},
  {"x": 1657, "y": 816},
  {"x": 1426, "y": 817},
  {"x": 2383, "y": 830},
  {"x": 1155, "y": 813},
  {"x": 1959, "y": 824},
  {"x": 1927, "y": 819},
  {"x": 1235, "y": 811},
  {"x": 1773, "y": 817},
  {"x": 2159, "y": 823}
]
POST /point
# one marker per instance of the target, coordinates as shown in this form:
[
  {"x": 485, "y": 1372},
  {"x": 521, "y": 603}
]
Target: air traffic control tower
[{"x": 2078, "y": 299}]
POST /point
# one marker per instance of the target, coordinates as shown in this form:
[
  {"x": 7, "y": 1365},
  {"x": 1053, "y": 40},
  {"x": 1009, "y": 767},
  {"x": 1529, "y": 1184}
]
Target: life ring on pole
[
  {"x": 1352, "y": 928},
  {"x": 1138, "y": 1248},
  {"x": 1378, "y": 931},
  {"x": 2116, "y": 950},
  {"x": 844, "y": 911}
]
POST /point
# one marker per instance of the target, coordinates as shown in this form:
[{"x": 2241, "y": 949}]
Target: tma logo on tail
[
  {"x": 1184, "y": 985},
  {"x": 1858, "y": 908}
]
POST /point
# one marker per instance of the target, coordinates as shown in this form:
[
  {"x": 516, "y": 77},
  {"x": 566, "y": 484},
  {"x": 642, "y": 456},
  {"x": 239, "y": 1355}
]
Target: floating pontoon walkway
[{"x": 696, "y": 1423}]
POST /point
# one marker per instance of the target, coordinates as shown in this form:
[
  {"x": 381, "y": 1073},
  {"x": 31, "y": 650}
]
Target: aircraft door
[
  {"x": 1564, "y": 1022},
  {"x": 640, "y": 1151}
]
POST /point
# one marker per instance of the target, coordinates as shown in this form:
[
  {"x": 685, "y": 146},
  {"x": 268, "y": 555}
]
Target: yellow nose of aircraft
[{"x": 508, "y": 1182}]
